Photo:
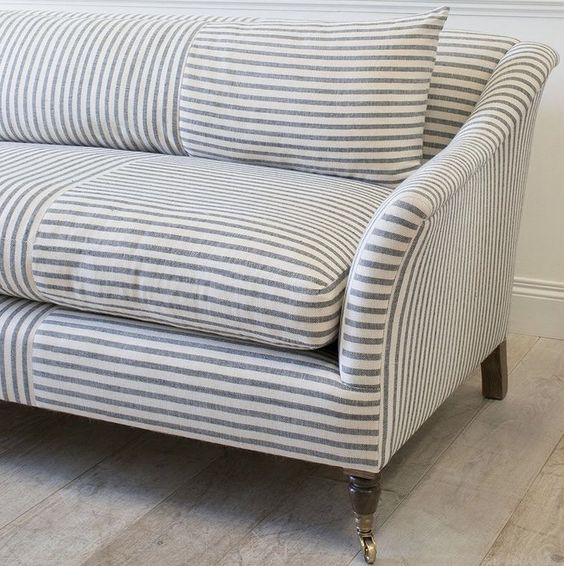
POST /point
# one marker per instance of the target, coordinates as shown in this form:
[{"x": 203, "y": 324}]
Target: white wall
[{"x": 538, "y": 303}]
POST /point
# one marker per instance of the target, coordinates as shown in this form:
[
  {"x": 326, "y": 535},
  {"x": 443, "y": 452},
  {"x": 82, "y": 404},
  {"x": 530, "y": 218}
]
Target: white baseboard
[{"x": 537, "y": 308}]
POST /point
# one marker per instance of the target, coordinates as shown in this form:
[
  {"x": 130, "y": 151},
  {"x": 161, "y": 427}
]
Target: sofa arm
[{"x": 429, "y": 289}]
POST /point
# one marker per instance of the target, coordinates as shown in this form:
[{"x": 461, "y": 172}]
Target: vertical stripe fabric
[
  {"x": 255, "y": 397},
  {"x": 344, "y": 99},
  {"x": 429, "y": 291},
  {"x": 19, "y": 320},
  {"x": 93, "y": 79}
]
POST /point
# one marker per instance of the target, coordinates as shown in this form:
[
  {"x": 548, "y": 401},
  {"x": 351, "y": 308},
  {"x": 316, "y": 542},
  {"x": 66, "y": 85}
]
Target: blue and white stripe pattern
[
  {"x": 346, "y": 99},
  {"x": 464, "y": 64},
  {"x": 102, "y": 80},
  {"x": 250, "y": 396},
  {"x": 19, "y": 320},
  {"x": 264, "y": 254},
  {"x": 232, "y": 249},
  {"x": 31, "y": 178},
  {"x": 430, "y": 285}
]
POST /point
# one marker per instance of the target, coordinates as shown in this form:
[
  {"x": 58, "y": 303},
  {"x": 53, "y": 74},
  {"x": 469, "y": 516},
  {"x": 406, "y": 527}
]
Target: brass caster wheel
[{"x": 368, "y": 548}]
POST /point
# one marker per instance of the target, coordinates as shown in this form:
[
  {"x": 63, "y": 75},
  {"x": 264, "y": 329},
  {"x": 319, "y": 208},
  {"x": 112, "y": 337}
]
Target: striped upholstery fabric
[
  {"x": 31, "y": 177},
  {"x": 93, "y": 79},
  {"x": 341, "y": 99},
  {"x": 429, "y": 291},
  {"x": 255, "y": 397},
  {"x": 465, "y": 62},
  {"x": 421, "y": 275},
  {"x": 228, "y": 248},
  {"x": 19, "y": 319}
]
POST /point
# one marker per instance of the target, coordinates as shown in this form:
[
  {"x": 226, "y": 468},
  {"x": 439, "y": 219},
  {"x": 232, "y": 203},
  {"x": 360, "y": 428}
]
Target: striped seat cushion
[
  {"x": 345, "y": 99},
  {"x": 232, "y": 249}
]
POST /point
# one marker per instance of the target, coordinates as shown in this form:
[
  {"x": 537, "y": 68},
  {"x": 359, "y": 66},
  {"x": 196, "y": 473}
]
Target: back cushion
[
  {"x": 341, "y": 99},
  {"x": 465, "y": 62},
  {"x": 98, "y": 80},
  {"x": 115, "y": 81}
]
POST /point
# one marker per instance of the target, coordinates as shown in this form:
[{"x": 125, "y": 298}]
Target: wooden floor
[{"x": 481, "y": 483}]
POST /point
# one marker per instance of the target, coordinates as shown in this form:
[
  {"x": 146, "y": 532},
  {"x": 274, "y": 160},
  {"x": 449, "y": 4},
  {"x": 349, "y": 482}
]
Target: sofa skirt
[{"x": 272, "y": 400}]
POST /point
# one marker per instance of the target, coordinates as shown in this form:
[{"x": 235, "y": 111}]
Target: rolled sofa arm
[{"x": 429, "y": 289}]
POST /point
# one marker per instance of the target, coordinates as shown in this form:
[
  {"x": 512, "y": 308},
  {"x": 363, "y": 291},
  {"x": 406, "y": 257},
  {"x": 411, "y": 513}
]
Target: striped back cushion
[
  {"x": 97, "y": 80},
  {"x": 291, "y": 94},
  {"x": 335, "y": 98},
  {"x": 465, "y": 62}
]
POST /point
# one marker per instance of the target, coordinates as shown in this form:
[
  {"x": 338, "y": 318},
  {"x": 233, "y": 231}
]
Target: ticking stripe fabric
[
  {"x": 428, "y": 297},
  {"x": 93, "y": 79},
  {"x": 19, "y": 319},
  {"x": 31, "y": 177},
  {"x": 228, "y": 248},
  {"x": 465, "y": 62},
  {"x": 146, "y": 375},
  {"x": 264, "y": 254},
  {"x": 114, "y": 80},
  {"x": 345, "y": 99}
]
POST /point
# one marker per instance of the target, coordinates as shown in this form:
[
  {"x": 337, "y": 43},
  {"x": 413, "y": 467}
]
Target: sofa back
[
  {"x": 112, "y": 80},
  {"x": 97, "y": 80},
  {"x": 465, "y": 62}
]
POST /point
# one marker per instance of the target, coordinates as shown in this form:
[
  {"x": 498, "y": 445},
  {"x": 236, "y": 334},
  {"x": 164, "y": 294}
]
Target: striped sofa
[{"x": 156, "y": 272}]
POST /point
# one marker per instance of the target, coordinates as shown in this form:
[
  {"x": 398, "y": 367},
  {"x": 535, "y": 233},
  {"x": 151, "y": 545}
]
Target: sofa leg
[
  {"x": 364, "y": 491},
  {"x": 494, "y": 373}
]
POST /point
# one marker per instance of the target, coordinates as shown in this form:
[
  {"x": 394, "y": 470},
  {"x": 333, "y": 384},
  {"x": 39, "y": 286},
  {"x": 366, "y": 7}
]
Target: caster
[
  {"x": 368, "y": 548},
  {"x": 364, "y": 493}
]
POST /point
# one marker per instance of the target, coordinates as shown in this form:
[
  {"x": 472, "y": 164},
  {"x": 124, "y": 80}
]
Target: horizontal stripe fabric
[
  {"x": 250, "y": 396},
  {"x": 31, "y": 177},
  {"x": 464, "y": 64},
  {"x": 114, "y": 80},
  {"x": 232, "y": 249},
  {"x": 345, "y": 99}
]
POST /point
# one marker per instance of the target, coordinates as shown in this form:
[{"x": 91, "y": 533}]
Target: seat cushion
[{"x": 233, "y": 249}]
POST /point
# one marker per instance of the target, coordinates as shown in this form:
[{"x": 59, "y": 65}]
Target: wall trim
[
  {"x": 538, "y": 289},
  {"x": 499, "y": 8},
  {"x": 537, "y": 308}
]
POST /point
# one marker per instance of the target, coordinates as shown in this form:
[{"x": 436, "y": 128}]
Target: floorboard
[
  {"x": 51, "y": 456},
  {"x": 209, "y": 516},
  {"x": 84, "y": 515},
  {"x": 327, "y": 540},
  {"x": 535, "y": 531},
  {"x": 456, "y": 511}
]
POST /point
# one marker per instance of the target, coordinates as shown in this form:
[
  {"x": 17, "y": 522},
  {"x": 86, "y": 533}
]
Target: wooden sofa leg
[
  {"x": 494, "y": 373},
  {"x": 364, "y": 491}
]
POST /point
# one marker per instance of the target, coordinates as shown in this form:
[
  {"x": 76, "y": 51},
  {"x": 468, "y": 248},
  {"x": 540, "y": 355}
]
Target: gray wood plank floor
[{"x": 482, "y": 483}]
